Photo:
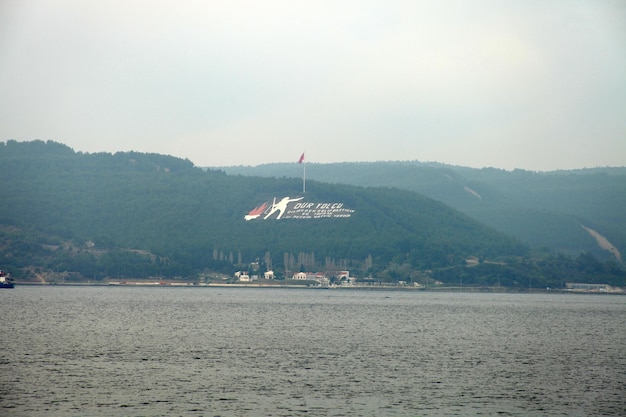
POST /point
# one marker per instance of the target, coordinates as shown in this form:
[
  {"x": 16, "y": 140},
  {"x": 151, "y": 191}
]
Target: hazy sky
[{"x": 532, "y": 84}]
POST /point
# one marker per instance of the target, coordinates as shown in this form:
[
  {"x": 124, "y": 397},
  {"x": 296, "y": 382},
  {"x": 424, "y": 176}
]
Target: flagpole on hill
[{"x": 301, "y": 161}]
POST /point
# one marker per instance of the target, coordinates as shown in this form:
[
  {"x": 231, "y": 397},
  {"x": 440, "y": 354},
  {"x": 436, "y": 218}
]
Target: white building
[
  {"x": 320, "y": 277},
  {"x": 242, "y": 276},
  {"x": 300, "y": 276}
]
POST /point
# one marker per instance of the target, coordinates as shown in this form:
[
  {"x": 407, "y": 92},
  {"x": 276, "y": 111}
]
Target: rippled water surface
[{"x": 111, "y": 351}]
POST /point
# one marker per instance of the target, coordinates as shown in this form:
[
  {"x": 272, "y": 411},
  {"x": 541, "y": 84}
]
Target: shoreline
[{"x": 175, "y": 284}]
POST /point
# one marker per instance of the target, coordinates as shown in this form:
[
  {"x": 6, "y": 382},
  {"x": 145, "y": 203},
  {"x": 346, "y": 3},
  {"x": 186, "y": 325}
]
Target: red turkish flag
[{"x": 301, "y": 158}]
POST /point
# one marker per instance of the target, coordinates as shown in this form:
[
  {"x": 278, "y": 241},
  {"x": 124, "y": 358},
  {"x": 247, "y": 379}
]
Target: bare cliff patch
[{"x": 603, "y": 242}]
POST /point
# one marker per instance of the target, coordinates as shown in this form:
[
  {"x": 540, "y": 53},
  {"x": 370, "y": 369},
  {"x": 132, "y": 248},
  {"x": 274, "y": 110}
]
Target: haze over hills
[
  {"x": 134, "y": 215},
  {"x": 570, "y": 211}
]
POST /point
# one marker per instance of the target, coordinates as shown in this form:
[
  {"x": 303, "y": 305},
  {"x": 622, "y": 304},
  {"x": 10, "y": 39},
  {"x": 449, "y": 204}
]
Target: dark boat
[{"x": 5, "y": 280}]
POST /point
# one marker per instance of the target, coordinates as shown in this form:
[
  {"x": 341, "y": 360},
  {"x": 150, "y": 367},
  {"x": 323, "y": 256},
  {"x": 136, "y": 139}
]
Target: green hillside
[
  {"x": 543, "y": 210},
  {"x": 134, "y": 215}
]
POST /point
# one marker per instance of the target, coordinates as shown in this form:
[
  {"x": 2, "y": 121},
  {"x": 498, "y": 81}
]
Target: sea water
[{"x": 152, "y": 351}]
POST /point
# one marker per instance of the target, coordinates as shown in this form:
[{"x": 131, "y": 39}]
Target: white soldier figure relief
[{"x": 281, "y": 206}]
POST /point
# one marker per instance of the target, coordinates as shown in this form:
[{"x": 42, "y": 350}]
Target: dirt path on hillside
[
  {"x": 40, "y": 277},
  {"x": 603, "y": 242}
]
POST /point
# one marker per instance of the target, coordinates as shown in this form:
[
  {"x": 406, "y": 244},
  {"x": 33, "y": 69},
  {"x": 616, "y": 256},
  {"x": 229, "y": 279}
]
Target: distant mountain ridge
[{"x": 552, "y": 210}]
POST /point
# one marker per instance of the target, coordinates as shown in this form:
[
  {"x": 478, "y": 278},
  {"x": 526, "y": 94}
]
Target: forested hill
[
  {"x": 565, "y": 211},
  {"x": 134, "y": 215}
]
